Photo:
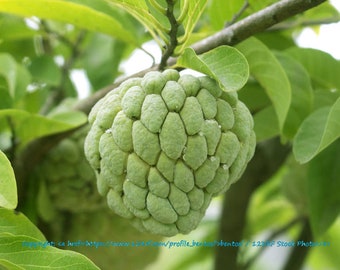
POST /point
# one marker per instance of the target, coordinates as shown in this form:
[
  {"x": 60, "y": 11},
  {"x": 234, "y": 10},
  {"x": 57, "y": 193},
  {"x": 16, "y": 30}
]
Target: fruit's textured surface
[
  {"x": 163, "y": 145},
  {"x": 68, "y": 179}
]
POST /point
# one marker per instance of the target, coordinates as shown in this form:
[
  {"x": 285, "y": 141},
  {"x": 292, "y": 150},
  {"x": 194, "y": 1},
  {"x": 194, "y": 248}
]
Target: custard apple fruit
[
  {"x": 163, "y": 145},
  {"x": 69, "y": 180}
]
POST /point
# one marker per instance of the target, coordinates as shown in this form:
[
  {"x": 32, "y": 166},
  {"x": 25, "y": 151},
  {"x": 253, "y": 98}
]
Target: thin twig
[
  {"x": 238, "y": 14},
  {"x": 57, "y": 93},
  {"x": 149, "y": 54}
]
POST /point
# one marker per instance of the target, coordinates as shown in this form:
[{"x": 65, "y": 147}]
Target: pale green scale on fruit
[
  {"x": 196, "y": 151},
  {"x": 211, "y": 85},
  {"x": 138, "y": 213},
  {"x": 192, "y": 115},
  {"x": 161, "y": 209},
  {"x": 122, "y": 131},
  {"x": 132, "y": 102},
  {"x": 173, "y": 96},
  {"x": 102, "y": 185},
  {"x": 251, "y": 143},
  {"x": 171, "y": 75},
  {"x": 110, "y": 151},
  {"x": 244, "y": 122},
  {"x": 110, "y": 108},
  {"x": 190, "y": 84},
  {"x": 145, "y": 143},
  {"x": 115, "y": 181},
  {"x": 230, "y": 97},
  {"x": 125, "y": 86},
  {"x": 212, "y": 133},
  {"x": 188, "y": 222},
  {"x": 91, "y": 146},
  {"x": 179, "y": 200},
  {"x": 172, "y": 136},
  {"x": 206, "y": 202},
  {"x": 206, "y": 173},
  {"x": 225, "y": 115},
  {"x": 220, "y": 180},
  {"x": 196, "y": 198},
  {"x": 94, "y": 111},
  {"x": 137, "y": 170},
  {"x": 190, "y": 141},
  {"x": 153, "y": 226},
  {"x": 228, "y": 148},
  {"x": 208, "y": 104},
  {"x": 110, "y": 174},
  {"x": 157, "y": 184},
  {"x": 135, "y": 194},
  {"x": 184, "y": 177},
  {"x": 153, "y": 82},
  {"x": 166, "y": 166},
  {"x": 115, "y": 202},
  {"x": 154, "y": 112},
  {"x": 239, "y": 163}
]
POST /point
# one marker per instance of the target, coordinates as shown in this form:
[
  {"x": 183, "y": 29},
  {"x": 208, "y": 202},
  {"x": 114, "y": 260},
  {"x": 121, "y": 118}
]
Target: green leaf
[
  {"x": 158, "y": 24},
  {"x": 8, "y": 185},
  {"x": 8, "y": 265},
  {"x": 101, "y": 59},
  {"x": 30, "y": 126},
  {"x": 14, "y": 28},
  {"x": 321, "y": 66},
  {"x": 225, "y": 64},
  {"x": 267, "y": 70},
  {"x": 328, "y": 257},
  {"x": 302, "y": 94},
  {"x": 192, "y": 14},
  {"x": 316, "y": 132},
  {"x": 254, "y": 96},
  {"x": 45, "y": 70},
  {"x": 16, "y": 223},
  {"x": 16, "y": 249},
  {"x": 7, "y": 69},
  {"x": 141, "y": 11},
  {"x": 16, "y": 76},
  {"x": 324, "y": 189},
  {"x": 265, "y": 124},
  {"x": 76, "y": 14},
  {"x": 221, "y": 12},
  {"x": 268, "y": 207}
]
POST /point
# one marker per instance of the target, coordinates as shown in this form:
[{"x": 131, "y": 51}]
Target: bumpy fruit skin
[
  {"x": 162, "y": 146},
  {"x": 69, "y": 179}
]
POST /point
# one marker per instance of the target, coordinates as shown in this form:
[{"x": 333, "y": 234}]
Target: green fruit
[
  {"x": 163, "y": 145},
  {"x": 68, "y": 179}
]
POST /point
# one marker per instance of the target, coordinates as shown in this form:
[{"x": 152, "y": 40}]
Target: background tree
[{"x": 290, "y": 190}]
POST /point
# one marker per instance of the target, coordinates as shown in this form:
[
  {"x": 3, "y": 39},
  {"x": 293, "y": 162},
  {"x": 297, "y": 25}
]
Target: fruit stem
[{"x": 174, "y": 25}]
